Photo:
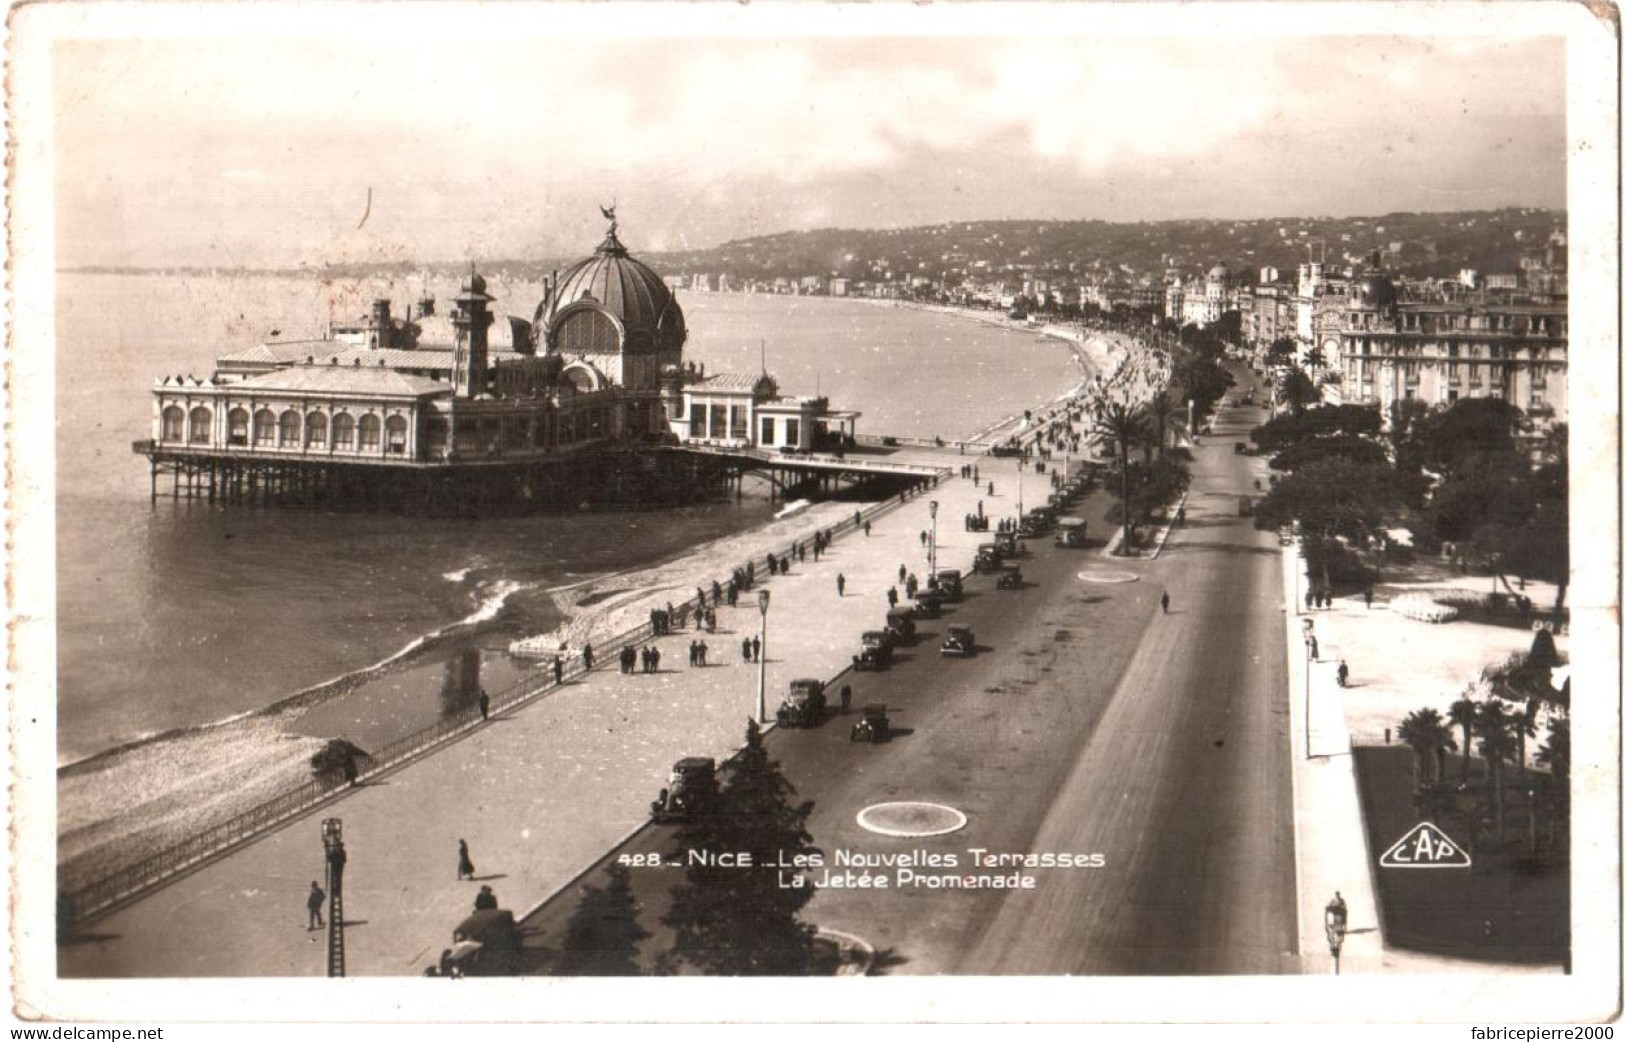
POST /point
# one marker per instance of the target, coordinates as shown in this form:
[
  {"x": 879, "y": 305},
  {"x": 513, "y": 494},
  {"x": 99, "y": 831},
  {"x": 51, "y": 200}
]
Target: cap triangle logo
[{"x": 1426, "y": 846}]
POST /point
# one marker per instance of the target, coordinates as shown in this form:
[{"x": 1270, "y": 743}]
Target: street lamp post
[
  {"x": 333, "y": 851},
  {"x": 761, "y": 662},
  {"x": 1021, "y": 465},
  {"x": 933, "y": 546},
  {"x": 1337, "y": 927},
  {"x": 1308, "y": 635}
]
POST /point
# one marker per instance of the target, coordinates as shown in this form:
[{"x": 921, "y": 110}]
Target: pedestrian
[
  {"x": 891, "y": 596},
  {"x": 313, "y": 904},
  {"x": 586, "y": 656},
  {"x": 558, "y": 669},
  {"x": 654, "y": 659},
  {"x": 772, "y": 565},
  {"x": 840, "y": 585},
  {"x": 866, "y": 530},
  {"x": 857, "y": 518},
  {"x": 703, "y": 651},
  {"x": 1342, "y": 673},
  {"x": 744, "y": 650},
  {"x": 913, "y": 586},
  {"x": 671, "y": 613},
  {"x": 976, "y": 474},
  {"x": 801, "y": 554},
  {"x": 1314, "y": 648},
  {"x": 1308, "y": 599},
  {"x": 990, "y": 490},
  {"x": 485, "y": 705},
  {"x": 693, "y": 652},
  {"x": 756, "y": 649},
  {"x": 1368, "y": 596},
  {"x": 902, "y": 573},
  {"x": 465, "y": 864},
  {"x": 486, "y": 899},
  {"x": 1165, "y": 602},
  {"x": 716, "y": 592},
  {"x": 924, "y": 535},
  {"x": 699, "y": 596},
  {"x": 846, "y": 697}
]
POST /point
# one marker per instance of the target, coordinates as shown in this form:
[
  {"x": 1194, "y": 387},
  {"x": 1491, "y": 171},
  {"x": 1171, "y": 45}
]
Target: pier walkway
[{"x": 540, "y": 792}]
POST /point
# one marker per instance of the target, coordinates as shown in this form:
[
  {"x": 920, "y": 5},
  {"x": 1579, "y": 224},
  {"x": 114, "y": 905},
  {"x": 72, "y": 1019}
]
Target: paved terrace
[{"x": 539, "y": 792}]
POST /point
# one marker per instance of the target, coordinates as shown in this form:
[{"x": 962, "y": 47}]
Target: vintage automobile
[
  {"x": 1070, "y": 532},
  {"x": 1010, "y": 578},
  {"x": 874, "y": 726},
  {"x": 804, "y": 705},
  {"x": 690, "y": 790},
  {"x": 951, "y": 583},
  {"x": 1009, "y": 545},
  {"x": 928, "y": 603},
  {"x": 961, "y": 642},
  {"x": 988, "y": 558},
  {"x": 900, "y": 624},
  {"x": 486, "y": 944},
  {"x": 1036, "y": 522},
  {"x": 876, "y": 652}
]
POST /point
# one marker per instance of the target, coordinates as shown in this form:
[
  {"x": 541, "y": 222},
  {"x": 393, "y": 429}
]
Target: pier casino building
[{"x": 391, "y": 404}]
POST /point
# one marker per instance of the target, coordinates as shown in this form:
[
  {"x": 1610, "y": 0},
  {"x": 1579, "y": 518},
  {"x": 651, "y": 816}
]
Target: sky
[{"x": 233, "y": 144}]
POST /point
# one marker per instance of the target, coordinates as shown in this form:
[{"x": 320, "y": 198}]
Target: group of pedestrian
[
  {"x": 750, "y": 649},
  {"x": 777, "y": 565},
  {"x": 660, "y": 620},
  {"x": 1316, "y": 597},
  {"x": 697, "y": 652},
  {"x": 972, "y": 472},
  {"x": 648, "y": 656}
]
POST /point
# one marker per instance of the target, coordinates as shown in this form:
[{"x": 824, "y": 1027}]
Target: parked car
[
  {"x": 804, "y": 705},
  {"x": 1009, "y": 545},
  {"x": 876, "y": 652},
  {"x": 951, "y": 583},
  {"x": 900, "y": 623},
  {"x": 988, "y": 558},
  {"x": 960, "y": 642},
  {"x": 486, "y": 944},
  {"x": 1010, "y": 578},
  {"x": 690, "y": 789},
  {"x": 928, "y": 603}
]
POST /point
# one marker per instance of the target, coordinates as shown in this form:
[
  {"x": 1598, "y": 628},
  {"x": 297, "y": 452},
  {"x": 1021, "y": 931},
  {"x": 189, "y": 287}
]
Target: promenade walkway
[{"x": 538, "y": 793}]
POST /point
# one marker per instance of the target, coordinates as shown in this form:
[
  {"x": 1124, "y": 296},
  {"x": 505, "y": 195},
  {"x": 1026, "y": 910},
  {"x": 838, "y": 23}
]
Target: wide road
[
  {"x": 1090, "y": 723},
  {"x": 1186, "y": 782}
]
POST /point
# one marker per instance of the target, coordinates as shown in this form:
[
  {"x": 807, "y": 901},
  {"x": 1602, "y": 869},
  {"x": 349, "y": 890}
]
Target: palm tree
[
  {"x": 1463, "y": 714},
  {"x": 1124, "y": 426},
  {"x": 1524, "y": 727},
  {"x": 1496, "y": 746},
  {"x": 1426, "y": 732},
  {"x": 1313, "y": 359},
  {"x": 1159, "y": 411},
  {"x": 1298, "y": 390}
]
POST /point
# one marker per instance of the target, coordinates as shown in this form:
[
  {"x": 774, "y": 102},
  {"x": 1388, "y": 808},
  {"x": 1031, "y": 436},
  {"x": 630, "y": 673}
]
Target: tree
[
  {"x": 1426, "y": 732},
  {"x": 1297, "y": 390},
  {"x": 1281, "y": 351},
  {"x": 1464, "y": 714},
  {"x": 602, "y": 937},
  {"x": 1123, "y": 426},
  {"x": 1330, "y": 497},
  {"x": 1553, "y": 753},
  {"x": 1456, "y": 433},
  {"x": 1496, "y": 746},
  {"x": 733, "y": 920},
  {"x": 1159, "y": 412},
  {"x": 1338, "y": 446}
]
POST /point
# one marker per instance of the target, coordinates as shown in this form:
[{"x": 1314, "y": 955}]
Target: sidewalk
[
  {"x": 1332, "y": 855},
  {"x": 538, "y": 793}
]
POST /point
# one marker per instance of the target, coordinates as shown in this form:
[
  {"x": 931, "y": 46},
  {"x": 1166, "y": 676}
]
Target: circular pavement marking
[
  {"x": 911, "y": 819},
  {"x": 1108, "y": 577}
]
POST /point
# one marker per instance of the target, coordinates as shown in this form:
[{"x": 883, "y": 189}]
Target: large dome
[{"x": 629, "y": 292}]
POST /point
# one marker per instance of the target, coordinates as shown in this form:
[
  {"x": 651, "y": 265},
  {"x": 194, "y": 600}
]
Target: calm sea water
[{"x": 172, "y": 615}]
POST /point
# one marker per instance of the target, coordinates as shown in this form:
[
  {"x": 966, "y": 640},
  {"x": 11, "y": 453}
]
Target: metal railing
[{"x": 124, "y": 885}]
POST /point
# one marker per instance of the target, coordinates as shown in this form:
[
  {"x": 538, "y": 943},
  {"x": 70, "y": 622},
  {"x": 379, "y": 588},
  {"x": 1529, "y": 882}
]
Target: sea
[{"x": 173, "y": 615}]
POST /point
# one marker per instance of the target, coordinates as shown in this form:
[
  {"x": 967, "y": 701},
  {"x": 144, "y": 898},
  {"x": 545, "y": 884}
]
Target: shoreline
[{"x": 122, "y": 803}]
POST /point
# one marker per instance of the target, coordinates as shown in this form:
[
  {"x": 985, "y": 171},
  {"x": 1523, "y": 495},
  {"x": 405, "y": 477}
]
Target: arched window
[
  {"x": 237, "y": 420},
  {"x": 202, "y": 421},
  {"x": 288, "y": 429},
  {"x": 344, "y": 431},
  {"x": 395, "y": 427},
  {"x": 264, "y": 428},
  {"x": 587, "y": 331},
  {"x": 174, "y": 423},
  {"x": 316, "y": 430},
  {"x": 370, "y": 427}
]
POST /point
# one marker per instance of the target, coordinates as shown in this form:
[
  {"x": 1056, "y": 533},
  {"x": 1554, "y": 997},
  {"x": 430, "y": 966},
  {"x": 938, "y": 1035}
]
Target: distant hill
[{"x": 1419, "y": 244}]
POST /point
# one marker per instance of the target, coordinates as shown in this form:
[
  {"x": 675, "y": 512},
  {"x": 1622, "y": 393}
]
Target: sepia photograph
[{"x": 1062, "y": 510}]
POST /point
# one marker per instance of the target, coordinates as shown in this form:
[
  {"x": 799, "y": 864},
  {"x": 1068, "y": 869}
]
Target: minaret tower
[{"x": 472, "y": 321}]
